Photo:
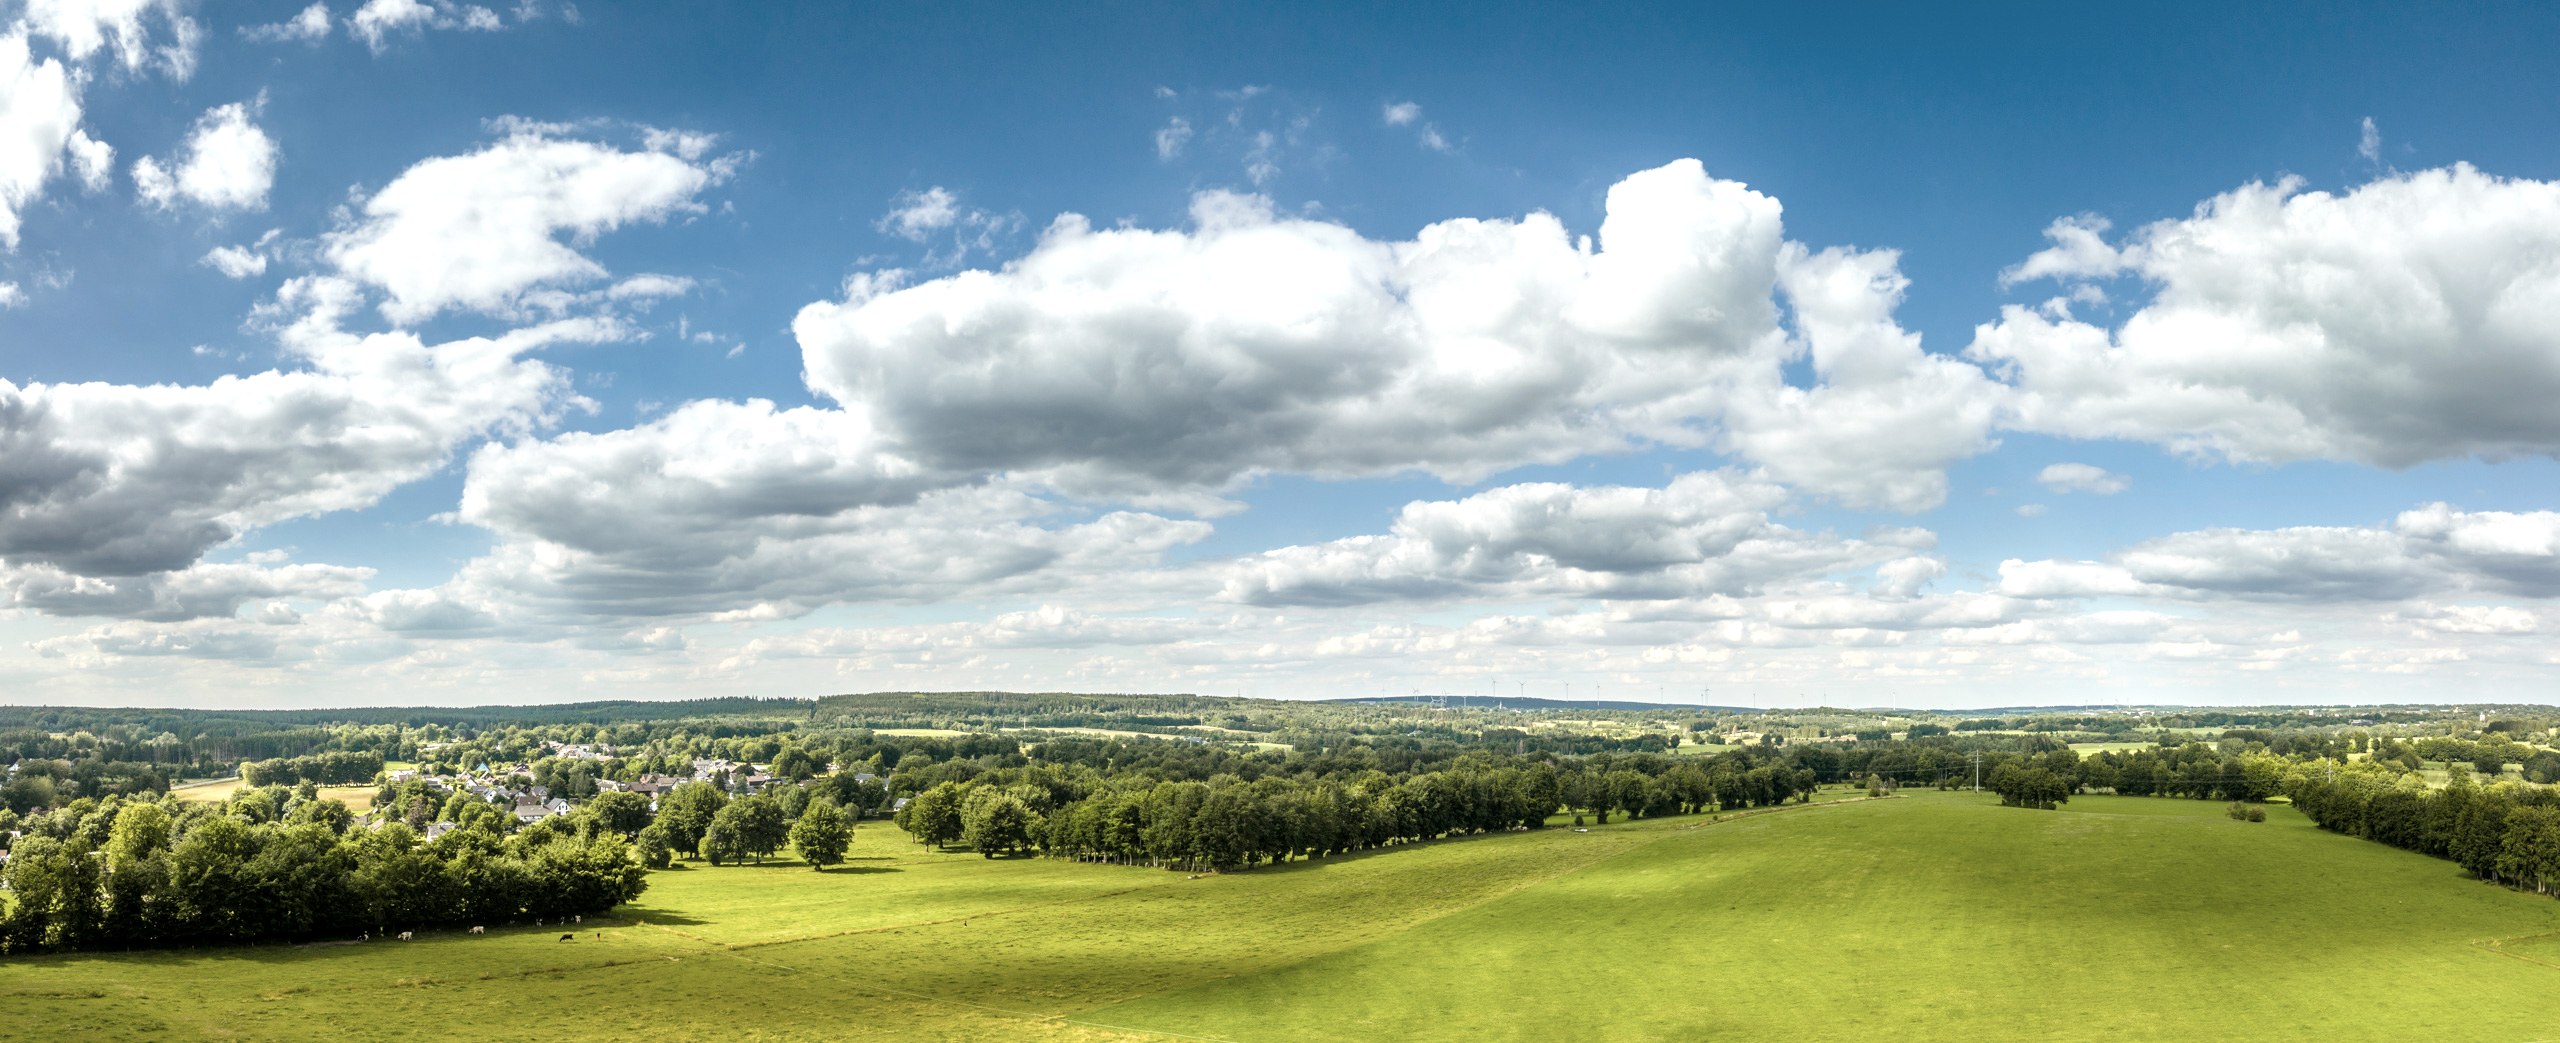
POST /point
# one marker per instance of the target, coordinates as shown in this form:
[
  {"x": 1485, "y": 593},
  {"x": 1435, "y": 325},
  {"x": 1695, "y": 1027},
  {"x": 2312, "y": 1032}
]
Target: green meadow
[{"x": 1924, "y": 916}]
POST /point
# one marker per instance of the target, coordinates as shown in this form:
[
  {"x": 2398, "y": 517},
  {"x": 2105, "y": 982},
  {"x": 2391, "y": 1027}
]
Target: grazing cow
[
  {"x": 479, "y": 930},
  {"x": 568, "y": 937},
  {"x": 578, "y": 919},
  {"x": 364, "y": 937},
  {"x": 406, "y": 935}
]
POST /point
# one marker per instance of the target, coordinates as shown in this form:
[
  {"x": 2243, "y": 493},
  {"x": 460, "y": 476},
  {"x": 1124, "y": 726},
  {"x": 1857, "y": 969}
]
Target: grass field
[{"x": 1921, "y": 917}]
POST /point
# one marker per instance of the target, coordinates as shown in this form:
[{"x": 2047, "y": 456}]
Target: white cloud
[
  {"x": 481, "y": 230},
  {"x": 237, "y": 262},
  {"x": 743, "y": 509},
  {"x": 379, "y": 20},
  {"x": 200, "y": 590},
  {"x": 11, "y": 296},
  {"x": 1171, "y": 137},
  {"x": 649, "y": 286},
  {"x": 2410, "y": 319},
  {"x": 39, "y": 119},
  {"x": 228, "y": 164},
  {"x": 309, "y": 26},
  {"x": 2369, "y": 141},
  {"x": 951, "y": 230},
  {"x": 92, "y": 159},
  {"x": 2079, "y": 251},
  {"x": 2427, "y": 551},
  {"x": 2082, "y": 478},
  {"x": 1409, "y": 114},
  {"x": 1903, "y": 577},
  {"x": 1706, "y": 533},
  {"x": 40, "y": 107},
  {"x": 132, "y": 29},
  {"x": 1886, "y": 418},
  {"x": 108, "y": 480},
  {"x": 199, "y": 639},
  {"x": 1134, "y": 362},
  {"x": 242, "y": 262},
  {"x": 2032, "y": 510},
  {"x": 2502, "y": 620}
]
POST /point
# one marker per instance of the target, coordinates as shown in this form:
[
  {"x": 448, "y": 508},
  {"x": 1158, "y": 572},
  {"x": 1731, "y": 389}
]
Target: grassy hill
[{"x": 1927, "y": 916}]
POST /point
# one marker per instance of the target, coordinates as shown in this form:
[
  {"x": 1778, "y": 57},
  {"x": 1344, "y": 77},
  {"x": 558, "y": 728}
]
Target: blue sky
[{"x": 432, "y": 352}]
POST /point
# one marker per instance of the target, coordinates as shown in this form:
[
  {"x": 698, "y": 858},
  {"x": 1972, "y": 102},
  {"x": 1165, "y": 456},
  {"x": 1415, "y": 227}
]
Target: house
[
  {"x": 437, "y": 829},
  {"x": 557, "y": 805},
  {"x": 528, "y": 814}
]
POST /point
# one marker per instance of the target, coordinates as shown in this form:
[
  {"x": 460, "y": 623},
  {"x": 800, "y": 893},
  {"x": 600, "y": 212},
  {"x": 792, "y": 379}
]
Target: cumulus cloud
[
  {"x": 743, "y": 508},
  {"x": 1886, "y": 417},
  {"x": 141, "y": 34},
  {"x": 1171, "y": 137},
  {"x": 2410, "y": 319},
  {"x": 378, "y": 21},
  {"x": 1126, "y": 359},
  {"x": 39, "y": 120},
  {"x": 2082, "y": 478},
  {"x": 2499, "y": 620},
  {"x": 198, "y": 591},
  {"x": 2430, "y": 550},
  {"x": 40, "y": 108},
  {"x": 112, "y": 480},
  {"x": 228, "y": 163},
  {"x": 311, "y": 25},
  {"x": 242, "y": 262},
  {"x": 1409, "y": 114},
  {"x": 480, "y": 231},
  {"x": 199, "y": 639},
  {"x": 950, "y": 230},
  {"x": 1705, "y": 533}
]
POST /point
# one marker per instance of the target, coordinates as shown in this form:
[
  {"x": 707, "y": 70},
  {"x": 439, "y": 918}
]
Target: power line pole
[{"x": 1977, "y": 773}]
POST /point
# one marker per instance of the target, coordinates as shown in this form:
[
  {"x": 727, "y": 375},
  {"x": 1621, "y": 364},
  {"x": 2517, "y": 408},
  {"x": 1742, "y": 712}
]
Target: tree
[
  {"x": 2020, "y": 787},
  {"x": 654, "y": 844},
  {"x": 621, "y": 812},
  {"x": 933, "y": 816},
  {"x": 687, "y": 812},
  {"x": 719, "y": 842},
  {"x": 795, "y": 764},
  {"x": 822, "y": 834},
  {"x": 756, "y": 826}
]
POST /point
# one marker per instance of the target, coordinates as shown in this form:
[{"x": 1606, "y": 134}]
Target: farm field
[
  {"x": 1924, "y": 916},
  {"x": 356, "y": 798}
]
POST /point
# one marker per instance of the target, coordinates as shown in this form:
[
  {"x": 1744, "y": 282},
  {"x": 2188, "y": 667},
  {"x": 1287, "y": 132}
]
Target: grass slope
[{"x": 1929, "y": 916}]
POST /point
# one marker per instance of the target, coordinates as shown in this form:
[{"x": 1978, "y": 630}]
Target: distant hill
[{"x": 1510, "y": 702}]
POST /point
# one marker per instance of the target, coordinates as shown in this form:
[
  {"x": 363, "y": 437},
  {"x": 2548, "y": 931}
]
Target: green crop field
[{"x": 1925, "y": 916}]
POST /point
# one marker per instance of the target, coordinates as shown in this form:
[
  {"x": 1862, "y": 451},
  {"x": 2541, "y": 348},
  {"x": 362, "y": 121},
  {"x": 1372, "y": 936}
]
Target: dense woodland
[{"x": 103, "y": 856}]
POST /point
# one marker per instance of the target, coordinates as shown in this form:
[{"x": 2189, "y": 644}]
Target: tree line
[
  {"x": 132, "y": 873},
  {"x": 2500, "y": 832},
  {"x": 1227, "y": 822},
  {"x": 335, "y": 768}
]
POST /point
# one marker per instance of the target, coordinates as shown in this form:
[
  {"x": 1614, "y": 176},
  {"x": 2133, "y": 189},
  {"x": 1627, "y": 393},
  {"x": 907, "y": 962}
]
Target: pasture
[{"x": 1924, "y": 916}]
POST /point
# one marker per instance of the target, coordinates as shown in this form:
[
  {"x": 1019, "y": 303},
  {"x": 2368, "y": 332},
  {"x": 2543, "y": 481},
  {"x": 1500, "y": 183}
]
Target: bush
[{"x": 2257, "y": 814}]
